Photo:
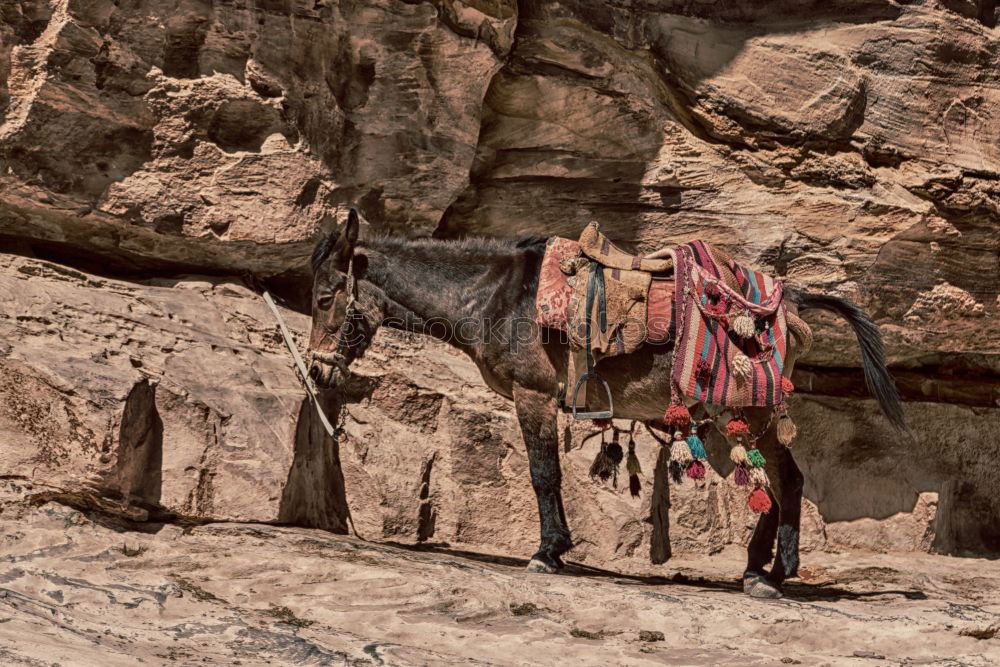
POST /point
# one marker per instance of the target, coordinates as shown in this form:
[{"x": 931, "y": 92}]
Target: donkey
[{"x": 447, "y": 289}]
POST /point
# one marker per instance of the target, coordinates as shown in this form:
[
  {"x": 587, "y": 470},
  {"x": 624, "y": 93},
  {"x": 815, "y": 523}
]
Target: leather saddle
[
  {"x": 607, "y": 313},
  {"x": 599, "y": 248}
]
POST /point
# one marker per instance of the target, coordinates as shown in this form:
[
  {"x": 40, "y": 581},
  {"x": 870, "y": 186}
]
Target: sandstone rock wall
[{"x": 851, "y": 147}]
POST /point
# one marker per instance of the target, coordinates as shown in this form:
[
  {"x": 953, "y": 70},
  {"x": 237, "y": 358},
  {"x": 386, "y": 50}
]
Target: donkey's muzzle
[
  {"x": 328, "y": 370},
  {"x": 322, "y": 374}
]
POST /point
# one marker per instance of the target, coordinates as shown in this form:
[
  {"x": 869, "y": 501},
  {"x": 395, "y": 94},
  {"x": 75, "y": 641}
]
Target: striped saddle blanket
[{"x": 731, "y": 331}]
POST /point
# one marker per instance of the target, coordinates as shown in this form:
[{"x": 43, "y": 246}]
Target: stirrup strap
[{"x": 595, "y": 289}]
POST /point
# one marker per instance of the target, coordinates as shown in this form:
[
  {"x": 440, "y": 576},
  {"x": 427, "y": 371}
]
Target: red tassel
[
  {"x": 787, "y": 387},
  {"x": 759, "y": 501},
  {"x": 737, "y": 427},
  {"x": 678, "y": 415},
  {"x": 703, "y": 369},
  {"x": 696, "y": 470}
]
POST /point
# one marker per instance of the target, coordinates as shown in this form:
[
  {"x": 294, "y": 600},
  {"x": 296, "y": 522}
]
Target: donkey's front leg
[{"x": 537, "y": 415}]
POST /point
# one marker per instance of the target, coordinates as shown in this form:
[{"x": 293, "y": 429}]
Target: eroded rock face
[
  {"x": 239, "y": 122},
  {"x": 190, "y": 406},
  {"x": 175, "y": 393},
  {"x": 859, "y": 157}
]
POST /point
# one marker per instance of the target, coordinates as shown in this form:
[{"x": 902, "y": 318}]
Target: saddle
[
  {"x": 597, "y": 247},
  {"x": 606, "y": 303}
]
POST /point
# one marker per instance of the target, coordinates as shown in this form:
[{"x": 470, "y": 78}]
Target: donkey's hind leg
[
  {"x": 538, "y": 417},
  {"x": 781, "y": 524},
  {"x": 786, "y": 561},
  {"x": 760, "y": 552}
]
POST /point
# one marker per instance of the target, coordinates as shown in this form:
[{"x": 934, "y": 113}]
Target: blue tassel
[{"x": 696, "y": 447}]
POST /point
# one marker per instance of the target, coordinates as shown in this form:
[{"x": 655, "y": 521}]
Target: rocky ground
[{"x": 86, "y": 589}]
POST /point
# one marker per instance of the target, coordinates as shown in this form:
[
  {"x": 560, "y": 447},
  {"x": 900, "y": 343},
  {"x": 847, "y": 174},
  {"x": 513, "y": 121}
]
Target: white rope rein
[{"x": 303, "y": 375}]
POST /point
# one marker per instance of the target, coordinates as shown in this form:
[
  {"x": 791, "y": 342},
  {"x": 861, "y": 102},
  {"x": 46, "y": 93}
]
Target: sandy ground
[{"x": 80, "y": 589}]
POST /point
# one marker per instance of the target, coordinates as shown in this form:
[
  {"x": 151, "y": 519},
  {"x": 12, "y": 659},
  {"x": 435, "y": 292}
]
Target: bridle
[{"x": 338, "y": 357}]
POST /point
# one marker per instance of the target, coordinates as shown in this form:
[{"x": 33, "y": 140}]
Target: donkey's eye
[{"x": 324, "y": 300}]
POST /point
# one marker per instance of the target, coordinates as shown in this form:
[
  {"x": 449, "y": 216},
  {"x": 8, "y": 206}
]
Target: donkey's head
[{"x": 344, "y": 316}]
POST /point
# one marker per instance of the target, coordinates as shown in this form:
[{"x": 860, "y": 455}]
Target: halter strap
[{"x": 352, "y": 286}]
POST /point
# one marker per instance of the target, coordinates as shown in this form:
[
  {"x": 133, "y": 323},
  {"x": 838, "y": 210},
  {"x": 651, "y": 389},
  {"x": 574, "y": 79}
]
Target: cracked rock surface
[{"x": 75, "y": 589}]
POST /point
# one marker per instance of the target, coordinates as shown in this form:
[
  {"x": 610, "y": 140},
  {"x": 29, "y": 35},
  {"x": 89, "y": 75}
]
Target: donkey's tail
[{"x": 877, "y": 378}]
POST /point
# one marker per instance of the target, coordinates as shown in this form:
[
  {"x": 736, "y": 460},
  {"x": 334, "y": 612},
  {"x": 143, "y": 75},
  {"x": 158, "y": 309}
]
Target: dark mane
[
  {"x": 461, "y": 255},
  {"x": 471, "y": 245},
  {"x": 467, "y": 254}
]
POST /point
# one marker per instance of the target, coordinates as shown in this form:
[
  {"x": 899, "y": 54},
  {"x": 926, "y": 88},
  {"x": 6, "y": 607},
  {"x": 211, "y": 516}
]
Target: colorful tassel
[
  {"x": 744, "y": 327},
  {"x": 759, "y": 477},
  {"x": 702, "y": 369},
  {"x": 697, "y": 447},
  {"x": 756, "y": 459},
  {"x": 759, "y": 501},
  {"x": 696, "y": 470},
  {"x": 678, "y": 415},
  {"x": 738, "y": 455},
  {"x": 741, "y": 477},
  {"x": 787, "y": 387},
  {"x": 632, "y": 465},
  {"x": 786, "y": 430},
  {"x": 742, "y": 366},
  {"x": 737, "y": 427},
  {"x": 680, "y": 452}
]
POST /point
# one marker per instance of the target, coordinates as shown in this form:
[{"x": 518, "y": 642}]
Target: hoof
[
  {"x": 759, "y": 587},
  {"x": 545, "y": 563},
  {"x": 749, "y": 579},
  {"x": 538, "y": 566}
]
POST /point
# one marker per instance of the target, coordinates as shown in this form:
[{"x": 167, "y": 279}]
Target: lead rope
[{"x": 303, "y": 375}]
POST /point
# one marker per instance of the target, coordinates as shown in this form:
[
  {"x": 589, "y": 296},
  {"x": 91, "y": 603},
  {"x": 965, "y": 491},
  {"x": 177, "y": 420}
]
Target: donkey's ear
[
  {"x": 322, "y": 251},
  {"x": 347, "y": 239},
  {"x": 351, "y": 229}
]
